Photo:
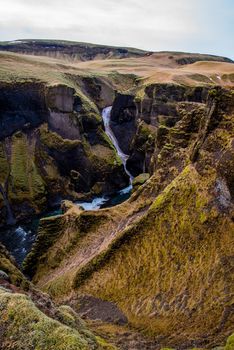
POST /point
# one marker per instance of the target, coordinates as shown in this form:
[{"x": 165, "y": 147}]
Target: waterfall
[{"x": 106, "y": 113}]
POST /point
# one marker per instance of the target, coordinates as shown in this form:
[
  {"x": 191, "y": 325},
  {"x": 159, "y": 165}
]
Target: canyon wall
[
  {"x": 53, "y": 146},
  {"x": 164, "y": 257}
]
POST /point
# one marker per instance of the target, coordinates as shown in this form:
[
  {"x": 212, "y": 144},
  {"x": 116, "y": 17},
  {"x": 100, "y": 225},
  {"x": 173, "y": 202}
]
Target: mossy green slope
[
  {"x": 26, "y": 182},
  {"x": 24, "y": 326},
  {"x": 30, "y": 320},
  {"x": 230, "y": 343},
  {"x": 168, "y": 265}
]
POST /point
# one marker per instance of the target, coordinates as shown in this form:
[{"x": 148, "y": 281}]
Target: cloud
[{"x": 152, "y": 24}]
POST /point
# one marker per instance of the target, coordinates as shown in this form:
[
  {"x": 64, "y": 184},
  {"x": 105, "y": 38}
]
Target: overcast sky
[{"x": 205, "y": 26}]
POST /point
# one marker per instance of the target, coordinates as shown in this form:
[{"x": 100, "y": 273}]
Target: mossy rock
[
  {"x": 8, "y": 268},
  {"x": 54, "y": 141},
  {"x": 98, "y": 188},
  {"x": 140, "y": 180},
  {"x": 24, "y": 326},
  {"x": 26, "y": 183},
  {"x": 230, "y": 343},
  {"x": 48, "y": 231},
  {"x": 103, "y": 159},
  {"x": 91, "y": 121}
]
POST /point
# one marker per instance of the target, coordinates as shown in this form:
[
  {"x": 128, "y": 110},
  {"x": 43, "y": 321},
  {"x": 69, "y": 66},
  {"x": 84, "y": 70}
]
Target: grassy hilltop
[{"x": 155, "y": 271}]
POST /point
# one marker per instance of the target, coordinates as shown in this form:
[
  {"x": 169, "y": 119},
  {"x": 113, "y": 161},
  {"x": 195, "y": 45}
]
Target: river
[{"x": 19, "y": 238}]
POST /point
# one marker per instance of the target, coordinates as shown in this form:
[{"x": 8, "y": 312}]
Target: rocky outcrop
[
  {"x": 52, "y": 146},
  {"x": 123, "y": 120},
  {"x": 151, "y": 113},
  {"x": 69, "y": 50},
  {"x": 164, "y": 257},
  {"x": 140, "y": 180},
  {"x": 189, "y": 59},
  {"x": 22, "y": 106}
]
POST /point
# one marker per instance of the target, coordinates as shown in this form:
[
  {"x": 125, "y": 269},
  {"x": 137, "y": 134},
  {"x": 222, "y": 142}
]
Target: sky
[{"x": 204, "y": 26}]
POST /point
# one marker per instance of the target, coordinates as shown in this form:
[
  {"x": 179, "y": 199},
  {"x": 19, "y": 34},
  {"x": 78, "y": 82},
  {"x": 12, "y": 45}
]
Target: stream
[{"x": 18, "y": 239}]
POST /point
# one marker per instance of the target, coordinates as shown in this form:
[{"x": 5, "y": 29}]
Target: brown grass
[{"x": 156, "y": 68}]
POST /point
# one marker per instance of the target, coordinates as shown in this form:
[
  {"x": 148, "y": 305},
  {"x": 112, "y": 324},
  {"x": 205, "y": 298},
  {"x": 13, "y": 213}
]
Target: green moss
[
  {"x": 19, "y": 163},
  {"x": 203, "y": 217},
  {"x": 102, "y": 155},
  {"x": 48, "y": 231},
  {"x": 145, "y": 130},
  {"x": 54, "y": 141},
  {"x": 213, "y": 93},
  {"x": 104, "y": 139},
  {"x": 8, "y": 266},
  {"x": 87, "y": 104},
  {"x": 26, "y": 327},
  {"x": 104, "y": 344},
  {"x": 103, "y": 159},
  {"x": 230, "y": 343},
  {"x": 49, "y": 234},
  {"x": 26, "y": 182},
  {"x": 68, "y": 316},
  {"x": 168, "y": 146},
  {"x": 4, "y": 166},
  {"x": 169, "y": 252},
  {"x": 140, "y": 179}
]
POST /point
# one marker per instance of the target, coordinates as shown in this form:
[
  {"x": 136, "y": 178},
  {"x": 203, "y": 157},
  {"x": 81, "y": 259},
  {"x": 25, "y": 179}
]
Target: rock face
[
  {"x": 165, "y": 256},
  {"x": 138, "y": 119},
  {"x": 123, "y": 117},
  {"x": 69, "y": 50},
  {"x": 52, "y": 145},
  {"x": 22, "y": 106}
]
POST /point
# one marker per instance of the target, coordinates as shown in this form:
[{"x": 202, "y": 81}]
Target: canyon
[{"x": 125, "y": 160}]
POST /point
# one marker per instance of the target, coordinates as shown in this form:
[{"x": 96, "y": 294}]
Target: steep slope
[
  {"x": 53, "y": 146},
  {"x": 165, "y": 256},
  {"x": 29, "y": 319}
]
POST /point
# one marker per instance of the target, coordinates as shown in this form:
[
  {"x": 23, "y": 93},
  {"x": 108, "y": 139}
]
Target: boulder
[{"x": 140, "y": 180}]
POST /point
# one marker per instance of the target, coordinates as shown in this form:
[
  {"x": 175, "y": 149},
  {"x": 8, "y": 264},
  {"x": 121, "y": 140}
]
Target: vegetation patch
[{"x": 24, "y": 326}]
